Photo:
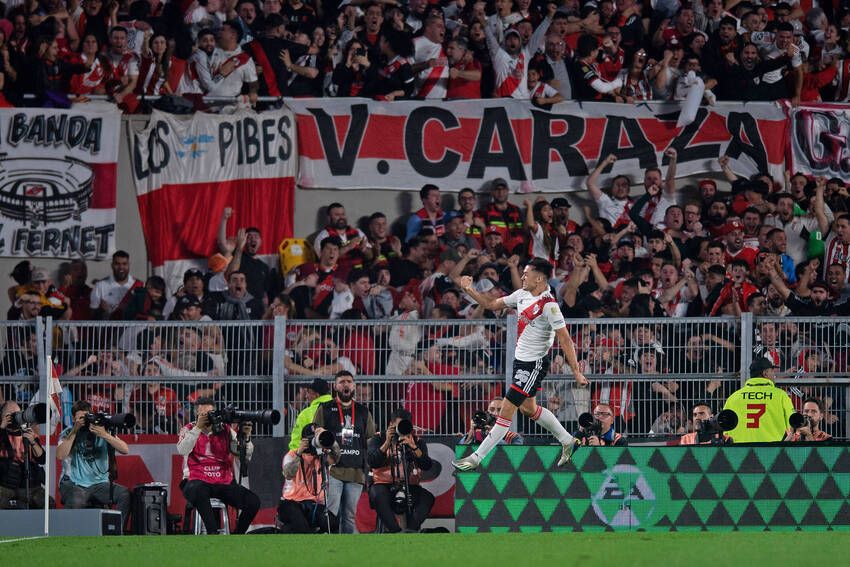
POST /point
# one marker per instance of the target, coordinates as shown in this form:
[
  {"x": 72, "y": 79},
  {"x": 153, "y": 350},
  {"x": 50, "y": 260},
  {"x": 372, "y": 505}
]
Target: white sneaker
[
  {"x": 566, "y": 453},
  {"x": 467, "y": 463}
]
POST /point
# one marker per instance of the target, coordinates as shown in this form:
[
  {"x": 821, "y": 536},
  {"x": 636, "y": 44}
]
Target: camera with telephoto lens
[
  {"x": 590, "y": 426},
  {"x": 119, "y": 420},
  {"x": 232, "y": 414},
  {"x": 404, "y": 427},
  {"x": 35, "y": 413},
  {"x": 708, "y": 429},
  {"x": 324, "y": 441},
  {"x": 482, "y": 419},
  {"x": 797, "y": 420}
]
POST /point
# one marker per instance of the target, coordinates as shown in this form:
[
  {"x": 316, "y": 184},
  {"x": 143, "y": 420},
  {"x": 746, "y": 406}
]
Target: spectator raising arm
[
  {"x": 819, "y": 206},
  {"x": 670, "y": 180},
  {"x": 593, "y": 178},
  {"x": 225, "y": 246}
]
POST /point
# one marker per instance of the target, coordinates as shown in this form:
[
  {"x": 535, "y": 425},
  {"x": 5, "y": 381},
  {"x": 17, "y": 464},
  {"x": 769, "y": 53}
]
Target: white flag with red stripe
[{"x": 187, "y": 170}]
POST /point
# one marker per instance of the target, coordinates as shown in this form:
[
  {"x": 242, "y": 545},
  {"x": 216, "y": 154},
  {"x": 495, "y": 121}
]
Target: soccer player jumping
[{"x": 540, "y": 321}]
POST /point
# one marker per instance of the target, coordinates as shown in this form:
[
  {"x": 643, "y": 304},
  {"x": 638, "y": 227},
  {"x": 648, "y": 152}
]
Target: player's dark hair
[{"x": 542, "y": 266}]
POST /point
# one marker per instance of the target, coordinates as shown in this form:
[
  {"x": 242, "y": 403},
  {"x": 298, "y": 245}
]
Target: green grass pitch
[{"x": 749, "y": 549}]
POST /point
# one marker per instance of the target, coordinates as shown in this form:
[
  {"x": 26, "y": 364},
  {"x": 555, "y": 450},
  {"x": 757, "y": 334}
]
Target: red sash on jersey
[
  {"x": 531, "y": 313},
  {"x": 512, "y": 81},
  {"x": 838, "y": 253},
  {"x": 433, "y": 77},
  {"x": 85, "y": 83},
  {"x": 538, "y": 89},
  {"x": 269, "y": 76},
  {"x": 650, "y": 207},
  {"x": 324, "y": 288},
  {"x": 120, "y": 70},
  {"x": 391, "y": 67},
  {"x": 624, "y": 218},
  {"x": 148, "y": 77},
  {"x": 239, "y": 59}
]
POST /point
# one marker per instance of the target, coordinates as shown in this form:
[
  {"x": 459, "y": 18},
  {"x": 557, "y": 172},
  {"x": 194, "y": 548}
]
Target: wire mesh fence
[
  {"x": 19, "y": 361},
  {"x": 649, "y": 371},
  {"x": 158, "y": 370},
  {"x": 812, "y": 355}
]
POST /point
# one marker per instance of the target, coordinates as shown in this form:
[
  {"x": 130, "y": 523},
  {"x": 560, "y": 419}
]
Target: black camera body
[
  {"x": 482, "y": 419},
  {"x": 119, "y": 420},
  {"x": 232, "y": 414},
  {"x": 404, "y": 427},
  {"x": 322, "y": 442},
  {"x": 35, "y": 413},
  {"x": 711, "y": 428},
  {"x": 360, "y": 52},
  {"x": 797, "y": 420},
  {"x": 591, "y": 427}
]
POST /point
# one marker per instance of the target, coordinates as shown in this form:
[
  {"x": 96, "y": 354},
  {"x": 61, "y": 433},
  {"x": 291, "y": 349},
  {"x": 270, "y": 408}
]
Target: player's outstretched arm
[{"x": 481, "y": 299}]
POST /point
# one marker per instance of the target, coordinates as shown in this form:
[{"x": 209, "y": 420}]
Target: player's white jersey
[{"x": 539, "y": 317}]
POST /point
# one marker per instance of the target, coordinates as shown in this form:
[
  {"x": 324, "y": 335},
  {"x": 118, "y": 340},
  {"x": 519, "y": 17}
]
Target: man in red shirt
[
  {"x": 612, "y": 55},
  {"x": 313, "y": 284},
  {"x": 733, "y": 234},
  {"x": 737, "y": 290},
  {"x": 464, "y": 71}
]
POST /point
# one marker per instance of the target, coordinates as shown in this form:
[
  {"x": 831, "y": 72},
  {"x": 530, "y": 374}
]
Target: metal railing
[
  {"x": 813, "y": 359},
  {"x": 650, "y": 371}
]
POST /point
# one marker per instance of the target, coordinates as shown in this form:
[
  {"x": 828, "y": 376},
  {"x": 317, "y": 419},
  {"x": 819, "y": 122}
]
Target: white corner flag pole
[{"x": 47, "y": 476}]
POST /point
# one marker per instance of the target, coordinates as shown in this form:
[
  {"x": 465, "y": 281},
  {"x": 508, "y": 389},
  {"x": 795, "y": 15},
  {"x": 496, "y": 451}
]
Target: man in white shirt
[
  {"x": 429, "y": 60},
  {"x": 125, "y": 63},
  {"x": 108, "y": 293},
  {"x": 613, "y": 208},
  {"x": 230, "y": 67},
  {"x": 540, "y": 322},
  {"x": 510, "y": 63}
]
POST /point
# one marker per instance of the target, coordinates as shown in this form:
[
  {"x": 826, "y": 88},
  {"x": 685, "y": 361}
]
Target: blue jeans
[{"x": 342, "y": 503}]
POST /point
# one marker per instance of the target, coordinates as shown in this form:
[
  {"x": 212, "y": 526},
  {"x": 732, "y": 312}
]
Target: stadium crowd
[
  {"x": 624, "y": 51},
  {"x": 770, "y": 247}
]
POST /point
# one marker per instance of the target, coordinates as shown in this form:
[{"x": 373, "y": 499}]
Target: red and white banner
[
  {"x": 350, "y": 143},
  {"x": 820, "y": 140},
  {"x": 58, "y": 171},
  {"x": 189, "y": 169}
]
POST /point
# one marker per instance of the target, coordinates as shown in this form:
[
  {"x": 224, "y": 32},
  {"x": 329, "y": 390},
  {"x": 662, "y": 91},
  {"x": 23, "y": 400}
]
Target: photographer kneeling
[
  {"x": 302, "y": 504},
  {"x": 597, "y": 430},
  {"x": 20, "y": 453},
  {"x": 708, "y": 429},
  {"x": 84, "y": 450},
  {"x": 395, "y": 461},
  {"x": 209, "y": 447}
]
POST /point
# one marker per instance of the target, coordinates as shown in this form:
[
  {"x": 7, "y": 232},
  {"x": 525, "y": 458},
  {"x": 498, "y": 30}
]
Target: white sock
[
  {"x": 548, "y": 420},
  {"x": 497, "y": 433}
]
